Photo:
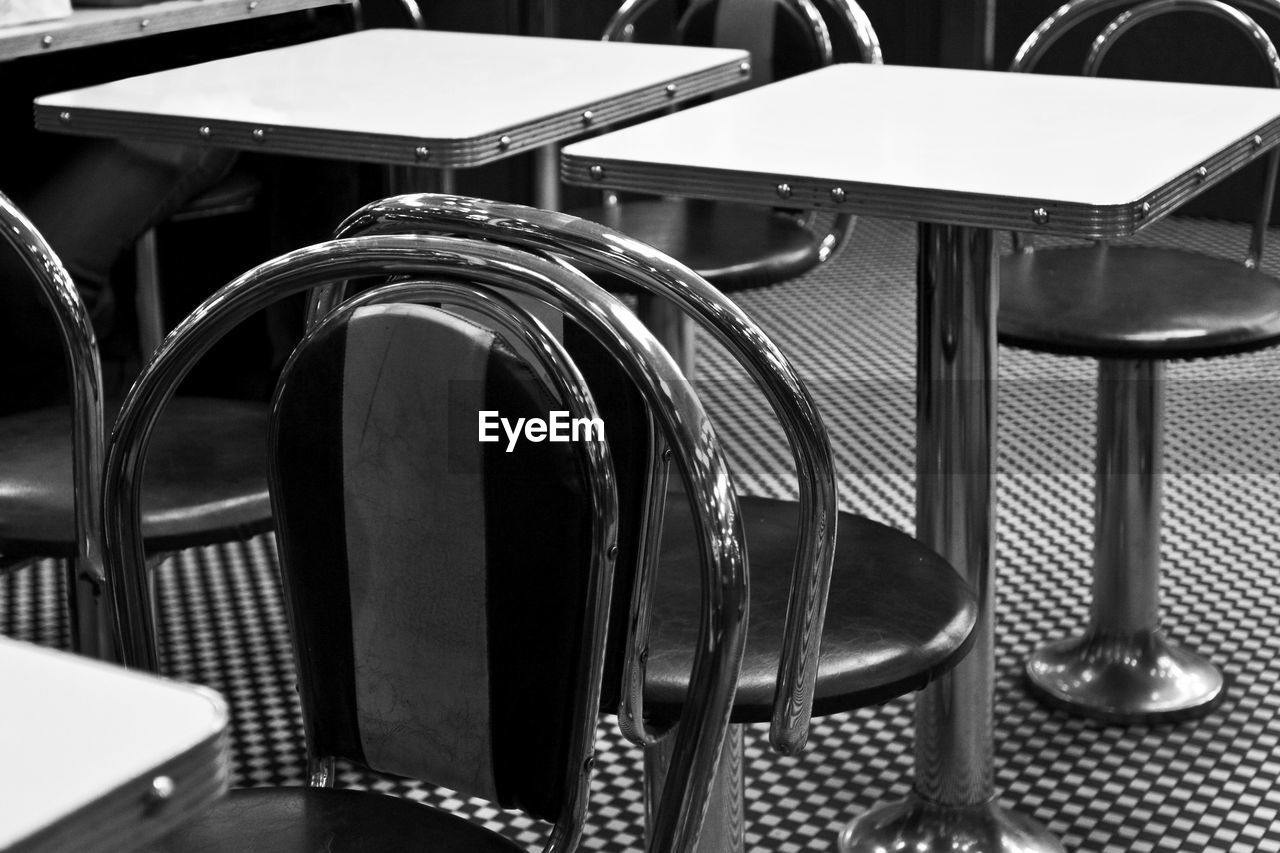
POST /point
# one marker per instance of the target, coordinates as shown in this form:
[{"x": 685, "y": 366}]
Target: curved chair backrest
[
  {"x": 599, "y": 247},
  {"x": 448, "y": 598},
  {"x": 784, "y": 38},
  {"x": 84, "y": 369},
  {"x": 1072, "y": 14},
  {"x": 448, "y": 270}
]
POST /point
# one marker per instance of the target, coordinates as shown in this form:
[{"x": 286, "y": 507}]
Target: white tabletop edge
[
  {"x": 113, "y": 725},
  {"x": 764, "y": 139},
  {"x": 567, "y": 86},
  {"x": 88, "y": 26}
]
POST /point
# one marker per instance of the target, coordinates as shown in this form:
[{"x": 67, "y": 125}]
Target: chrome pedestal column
[
  {"x": 953, "y": 806},
  {"x": 1122, "y": 669}
]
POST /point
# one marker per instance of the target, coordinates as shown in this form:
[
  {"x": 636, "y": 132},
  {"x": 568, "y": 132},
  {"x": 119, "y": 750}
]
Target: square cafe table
[
  {"x": 88, "y": 26},
  {"x": 442, "y": 100},
  {"x": 962, "y": 153},
  {"x": 99, "y": 758}
]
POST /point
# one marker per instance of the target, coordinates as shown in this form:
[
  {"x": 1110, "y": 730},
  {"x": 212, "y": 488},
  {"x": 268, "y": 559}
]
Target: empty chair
[
  {"x": 448, "y": 599},
  {"x": 1134, "y": 308},
  {"x": 206, "y": 482},
  {"x": 738, "y": 247},
  {"x": 831, "y": 629}
]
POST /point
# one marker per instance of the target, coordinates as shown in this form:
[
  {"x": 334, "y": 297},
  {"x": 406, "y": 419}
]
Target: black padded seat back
[
  {"x": 779, "y": 38},
  {"x": 435, "y": 584}
]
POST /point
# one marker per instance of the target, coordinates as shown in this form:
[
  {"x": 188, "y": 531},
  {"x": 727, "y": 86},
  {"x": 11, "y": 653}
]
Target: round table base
[
  {"x": 1140, "y": 678},
  {"x": 923, "y": 827}
]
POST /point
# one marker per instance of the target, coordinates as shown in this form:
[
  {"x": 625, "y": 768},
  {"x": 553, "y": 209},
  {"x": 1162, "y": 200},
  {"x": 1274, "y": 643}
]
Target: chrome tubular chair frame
[
  {"x": 90, "y": 629},
  {"x": 621, "y": 26},
  {"x": 578, "y": 240},
  {"x": 723, "y": 620}
]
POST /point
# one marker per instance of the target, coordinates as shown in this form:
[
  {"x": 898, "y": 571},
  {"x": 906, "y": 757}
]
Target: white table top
[
  {"x": 945, "y": 145},
  {"x": 85, "y": 26},
  {"x": 398, "y": 96},
  {"x": 82, "y": 742}
]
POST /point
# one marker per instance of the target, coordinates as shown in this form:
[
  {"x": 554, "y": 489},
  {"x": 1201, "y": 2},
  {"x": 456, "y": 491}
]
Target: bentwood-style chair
[
  {"x": 739, "y": 247},
  {"x": 1133, "y": 308},
  {"x": 206, "y": 482},
  {"x": 831, "y": 629},
  {"x": 448, "y": 599}
]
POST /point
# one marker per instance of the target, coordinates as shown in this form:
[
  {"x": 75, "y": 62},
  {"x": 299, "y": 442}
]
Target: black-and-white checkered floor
[{"x": 1205, "y": 785}]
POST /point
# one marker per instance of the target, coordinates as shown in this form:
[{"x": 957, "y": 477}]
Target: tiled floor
[{"x": 1206, "y": 785}]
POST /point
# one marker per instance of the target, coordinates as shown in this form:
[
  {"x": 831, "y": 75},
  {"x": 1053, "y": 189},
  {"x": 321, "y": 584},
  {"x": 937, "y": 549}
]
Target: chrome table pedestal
[
  {"x": 954, "y": 803},
  {"x": 1123, "y": 669}
]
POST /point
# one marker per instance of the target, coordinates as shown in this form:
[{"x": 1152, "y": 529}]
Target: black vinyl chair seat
[
  {"x": 734, "y": 247},
  {"x": 898, "y": 615},
  {"x": 1108, "y": 301},
  {"x": 205, "y": 483},
  {"x": 306, "y": 820}
]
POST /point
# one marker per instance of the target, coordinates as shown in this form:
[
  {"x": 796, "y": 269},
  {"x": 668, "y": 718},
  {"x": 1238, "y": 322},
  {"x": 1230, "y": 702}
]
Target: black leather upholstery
[
  {"x": 1133, "y": 302},
  {"x": 898, "y": 614},
  {"x": 536, "y": 538},
  {"x": 205, "y": 482},
  {"x": 309, "y": 820}
]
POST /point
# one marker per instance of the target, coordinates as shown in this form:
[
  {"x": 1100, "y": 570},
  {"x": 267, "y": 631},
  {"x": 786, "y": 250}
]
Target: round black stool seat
[
  {"x": 1135, "y": 302},
  {"x": 898, "y": 614},
  {"x": 305, "y": 820},
  {"x": 734, "y": 247},
  {"x": 205, "y": 480}
]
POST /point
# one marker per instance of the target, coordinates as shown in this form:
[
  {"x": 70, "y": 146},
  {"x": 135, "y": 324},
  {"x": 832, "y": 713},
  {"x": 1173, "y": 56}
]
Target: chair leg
[
  {"x": 723, "y": 827},
  {"x": 1123, "y": 669},
  {"x": 150, "y": 311},
  {"x": 89, "y": 617}
]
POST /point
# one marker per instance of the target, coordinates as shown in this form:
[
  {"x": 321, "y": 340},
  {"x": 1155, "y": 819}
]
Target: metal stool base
[
  {"x": 1138, "y": 678},
  {"x": 920, "y": 826}
]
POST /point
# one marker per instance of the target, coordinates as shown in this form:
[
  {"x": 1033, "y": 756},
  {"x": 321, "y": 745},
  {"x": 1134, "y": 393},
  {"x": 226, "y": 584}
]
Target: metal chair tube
[
  {"x": 1044, "y": 36},
  {"x": 90, "y": 629}
]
